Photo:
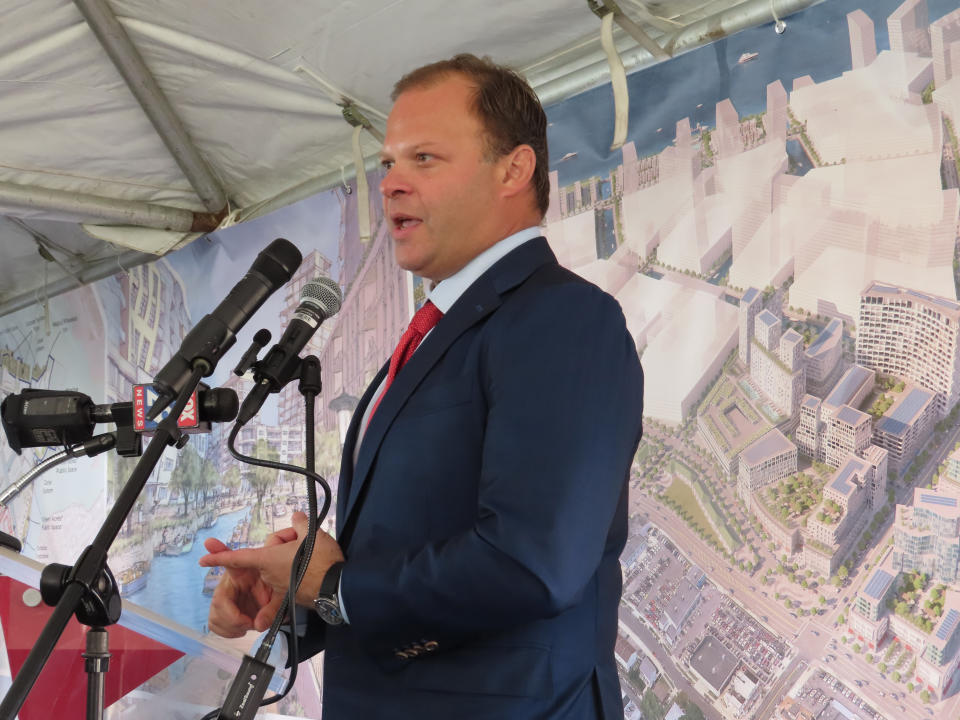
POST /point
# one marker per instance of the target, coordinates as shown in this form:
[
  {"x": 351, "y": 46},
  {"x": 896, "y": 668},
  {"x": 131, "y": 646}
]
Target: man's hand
[
  {"x": 259, "y": 577},
  {"x": 241, "y": 600}
]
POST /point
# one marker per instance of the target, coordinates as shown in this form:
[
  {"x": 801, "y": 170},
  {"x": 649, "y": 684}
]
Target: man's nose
[{"x": 394, "y": 183}]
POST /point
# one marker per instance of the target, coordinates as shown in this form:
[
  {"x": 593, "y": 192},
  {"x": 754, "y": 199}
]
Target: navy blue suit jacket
[{"x": 485, "y": 516}]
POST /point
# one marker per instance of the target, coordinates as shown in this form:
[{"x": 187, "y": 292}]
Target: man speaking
[{"x": 482, "y": 503}]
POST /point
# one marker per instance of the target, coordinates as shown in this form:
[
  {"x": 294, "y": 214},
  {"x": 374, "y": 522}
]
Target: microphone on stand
[
  {"x": 216, "y": 333},
  {"x": 42, "y": 418},
  {"x": 320, "y": 300}
]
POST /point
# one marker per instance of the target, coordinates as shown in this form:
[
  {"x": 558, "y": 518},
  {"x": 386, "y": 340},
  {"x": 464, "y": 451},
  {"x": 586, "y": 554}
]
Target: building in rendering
[
  {"x": 848, "y": 430},
  {"x": 913, "y": 335},
  {"x": 822, "y": 358},
  {"x": 952, "y": 473},
  {"x": 848, "y": 503},
  {"x": 926, "y": 535},
  {"x": 750, "y": 306},
  {"x": 377, "y": 305},
  {"x": 907, "y": 27},
  {"x": 776, "y": 362},
  {"x": 767, "y": 460},
  {"x": 712, "y": 662},
  {"x": 833, "y": 428},
  {"x": 863, "y": 42},
  {"x": 906, "y": 426},
  {"x": 678, "y": 608},
  {"x": 810, "y": 430},
  {"x": 869, "y": 617},
  {"x": 944, "y": 33},
  {"x": 937, "y": 664},
  {"x": 784, "y": 534}
]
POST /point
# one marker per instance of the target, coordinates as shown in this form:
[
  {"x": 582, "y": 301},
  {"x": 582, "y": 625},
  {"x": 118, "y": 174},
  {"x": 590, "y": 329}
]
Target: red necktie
[{"x": 421, "y": 323}]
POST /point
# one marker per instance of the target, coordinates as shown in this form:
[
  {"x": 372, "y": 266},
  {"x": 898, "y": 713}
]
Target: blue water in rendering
[
  {"x": 801, "y": 163},
  {"x": 816, "y": 43},
  {"x": 175, "y": 584}
]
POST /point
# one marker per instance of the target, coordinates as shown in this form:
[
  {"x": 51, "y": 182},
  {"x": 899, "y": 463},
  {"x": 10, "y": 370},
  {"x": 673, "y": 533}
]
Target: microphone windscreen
[{"x": 219, "y": 405}]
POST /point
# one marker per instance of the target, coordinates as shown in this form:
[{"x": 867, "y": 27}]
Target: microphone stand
[
  {"x": 88, "y": 588},
  {"x": 97, "y": 653},
  {"x": 99, "y": 444},
  {"x": 245, "y": 694}
]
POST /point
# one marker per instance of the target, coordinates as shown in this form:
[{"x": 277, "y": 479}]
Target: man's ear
[{"x": 517, "y": 170}]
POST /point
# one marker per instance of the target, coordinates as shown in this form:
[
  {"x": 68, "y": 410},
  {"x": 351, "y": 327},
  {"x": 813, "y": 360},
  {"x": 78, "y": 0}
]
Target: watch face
[{"x": 329, "y": 610}]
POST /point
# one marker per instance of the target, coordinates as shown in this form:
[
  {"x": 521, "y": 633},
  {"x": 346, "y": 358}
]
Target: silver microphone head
[{"x": 323, "y": 294}]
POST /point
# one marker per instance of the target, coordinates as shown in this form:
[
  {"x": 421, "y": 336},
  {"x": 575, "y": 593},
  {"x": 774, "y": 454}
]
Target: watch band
[{"x": 327, "y": 602}]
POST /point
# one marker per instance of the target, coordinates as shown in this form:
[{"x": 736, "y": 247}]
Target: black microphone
[
  {"x": 320, "y": 299},
  {"x": 216, "y": 333},
  {"x": 42, "y": 418}
]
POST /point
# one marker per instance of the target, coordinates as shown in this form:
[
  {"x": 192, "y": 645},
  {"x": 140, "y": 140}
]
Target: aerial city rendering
[
  {"x": 796, "y": 499},
  {"x": 787, "y": 262}
]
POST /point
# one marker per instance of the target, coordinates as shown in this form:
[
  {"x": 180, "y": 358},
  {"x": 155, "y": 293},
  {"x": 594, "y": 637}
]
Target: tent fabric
[{"x": 257, "y": 87}]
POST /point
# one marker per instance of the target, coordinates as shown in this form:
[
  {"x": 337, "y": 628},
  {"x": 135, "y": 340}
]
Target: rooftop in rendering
[
  {"x": 827, "y": 339},
  {"x": 687, "y": 330},
  {"x": 943, "y": 502},
  {"x": 770, "y": 445},
  {"x": 863, "y": 112},
  {"x": 682, "y": 603},
  {"x": 843, "y": 480},
  {"x": 714, "y": 663},
  {"x": 946, "y": 630},
  {"x": 907, "y": 408},
  {"x": 879, "y": 583},
  {"x": 941, "y": 303},
  {"x": 849, "y": 385},
  {"x": 768, "y": 318},
  {"x": 851, "y": 416}
]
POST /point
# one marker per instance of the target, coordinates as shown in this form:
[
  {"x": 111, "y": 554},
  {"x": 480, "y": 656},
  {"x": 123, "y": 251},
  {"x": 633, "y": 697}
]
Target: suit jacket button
[{"x": 431, "y": 645}]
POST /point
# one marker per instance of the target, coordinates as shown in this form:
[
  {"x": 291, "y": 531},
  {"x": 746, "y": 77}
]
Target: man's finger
[
  {"x": 300, "y": 524},
  {"x": 226, "y": 619},
  {"x": 214, "y": 545},
  {"x": 264, "y": 618},
  {"x": 284, "y": 535},
  {"x": 238, "y": 559}
]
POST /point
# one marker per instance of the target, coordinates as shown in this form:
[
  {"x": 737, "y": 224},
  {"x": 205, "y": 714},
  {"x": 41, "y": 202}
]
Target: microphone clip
[{"x": 251, "y": 356}]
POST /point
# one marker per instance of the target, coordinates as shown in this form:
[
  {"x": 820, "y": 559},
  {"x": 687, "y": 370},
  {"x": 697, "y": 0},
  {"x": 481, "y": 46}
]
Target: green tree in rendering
[
  {"x": 186, "y": 475},
  {"x": 262, "y": 479}
]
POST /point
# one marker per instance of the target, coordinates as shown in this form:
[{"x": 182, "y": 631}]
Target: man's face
[{"x": 440, "y": 192}]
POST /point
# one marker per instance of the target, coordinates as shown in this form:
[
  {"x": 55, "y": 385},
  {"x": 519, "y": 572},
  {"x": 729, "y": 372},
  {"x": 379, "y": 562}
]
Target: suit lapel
[
  {"x": 350, "y": 444},
  {"x": 476, "y": 303}
]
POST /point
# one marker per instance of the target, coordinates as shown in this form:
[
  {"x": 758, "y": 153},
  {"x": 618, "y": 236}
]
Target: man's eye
[
  {"x": 424, "y": 157},
  {"x": 386, "y": 164}
]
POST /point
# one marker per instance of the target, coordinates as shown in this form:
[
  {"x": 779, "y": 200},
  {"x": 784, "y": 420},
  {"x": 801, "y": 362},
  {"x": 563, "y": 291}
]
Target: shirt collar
[{"x": 446, "y": 292}]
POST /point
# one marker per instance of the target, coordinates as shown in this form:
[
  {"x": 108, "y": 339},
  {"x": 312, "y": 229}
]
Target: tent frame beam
[
  {"x": 100, "y": 210},
  {"x": 131, "y": 66},
  {"x": 96, "y": 270},
  {"x": 591, "y": 64},
  {"x": 635, "y": 31}
]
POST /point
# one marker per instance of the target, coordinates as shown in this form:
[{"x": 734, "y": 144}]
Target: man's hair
[{"x": 507, "y": 107}]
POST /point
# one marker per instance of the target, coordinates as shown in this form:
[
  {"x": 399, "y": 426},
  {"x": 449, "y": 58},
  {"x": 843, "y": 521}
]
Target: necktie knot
[
  {"x": 425, "y": 318},
  {"x": 421, "y": 323}
]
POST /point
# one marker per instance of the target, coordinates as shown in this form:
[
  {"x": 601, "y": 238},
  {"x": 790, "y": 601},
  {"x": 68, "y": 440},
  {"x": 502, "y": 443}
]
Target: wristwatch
[{"x": 327, "y": 601}]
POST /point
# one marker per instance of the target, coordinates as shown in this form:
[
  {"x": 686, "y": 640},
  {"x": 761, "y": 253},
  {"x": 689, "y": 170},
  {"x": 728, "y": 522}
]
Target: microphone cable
[{"x": 301, "y": 559}]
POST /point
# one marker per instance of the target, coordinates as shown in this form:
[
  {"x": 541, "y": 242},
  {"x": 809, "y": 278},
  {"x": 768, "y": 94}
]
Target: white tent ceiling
[{"x": 130, "y": 126}]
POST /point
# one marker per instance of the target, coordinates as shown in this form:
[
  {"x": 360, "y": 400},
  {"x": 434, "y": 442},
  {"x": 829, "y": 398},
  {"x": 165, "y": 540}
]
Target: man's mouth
[{"x": 404, "y": 222}]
